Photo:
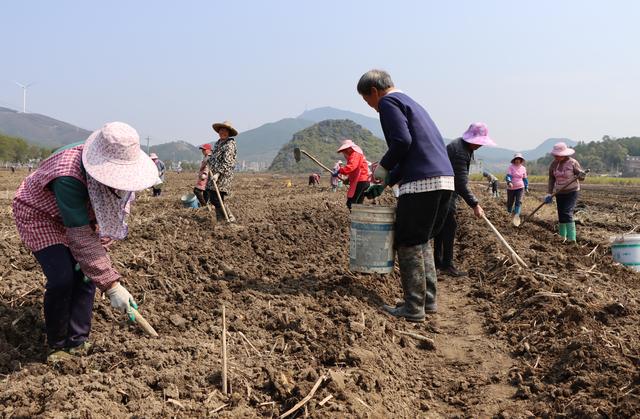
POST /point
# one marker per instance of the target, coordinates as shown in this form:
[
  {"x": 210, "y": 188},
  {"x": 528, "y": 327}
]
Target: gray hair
[{"x": 379, "y": 79}]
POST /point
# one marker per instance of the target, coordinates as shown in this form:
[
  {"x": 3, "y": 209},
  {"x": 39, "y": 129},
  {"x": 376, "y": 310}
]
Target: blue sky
[{"x": 530, "y": 70}]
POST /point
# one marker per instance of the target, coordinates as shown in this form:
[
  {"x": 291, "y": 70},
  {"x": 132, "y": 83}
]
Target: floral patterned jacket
[{"x": 223, "y": 161}]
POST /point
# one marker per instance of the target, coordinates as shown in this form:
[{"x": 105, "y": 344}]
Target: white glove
[
  {"x": 203, "y": 176},
  {"x": 121, "y": 300},
  {"x": 215, "y": 177}
]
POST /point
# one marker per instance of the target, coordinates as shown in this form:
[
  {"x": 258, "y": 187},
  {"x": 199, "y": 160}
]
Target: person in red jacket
[{"x": 356, "y": 170}]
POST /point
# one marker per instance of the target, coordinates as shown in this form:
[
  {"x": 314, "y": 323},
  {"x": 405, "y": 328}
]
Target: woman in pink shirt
[
  {"x": 200, "y": 190},
  {"x": 517, "y": 184}
]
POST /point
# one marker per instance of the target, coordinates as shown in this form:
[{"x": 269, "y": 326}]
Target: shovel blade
[
  {"x": 296, "y": 154},
  {"x": 516, "y": 220}
]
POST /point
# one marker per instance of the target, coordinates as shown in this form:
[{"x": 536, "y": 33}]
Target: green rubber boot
[
  {"x": 571, "y": 231},
  {"x": 562, "y": 230},
  {"x": 412, "y": 276}
]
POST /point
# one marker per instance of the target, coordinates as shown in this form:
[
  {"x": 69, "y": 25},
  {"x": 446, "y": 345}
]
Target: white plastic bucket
[
  {"x": 626, "y": 250},
  {"x": 371, "y": 239}
]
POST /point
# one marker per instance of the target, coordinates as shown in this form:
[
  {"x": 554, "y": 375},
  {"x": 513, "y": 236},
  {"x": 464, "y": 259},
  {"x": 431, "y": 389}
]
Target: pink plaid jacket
[{"x": 34, "y": 207}]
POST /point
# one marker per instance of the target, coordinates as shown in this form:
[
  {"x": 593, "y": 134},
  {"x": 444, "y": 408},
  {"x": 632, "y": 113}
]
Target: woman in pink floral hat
[
  {"x": 356, "y": 170},
  {"x": 565, "y": 173},
  {"x": 67, "y": 212}
]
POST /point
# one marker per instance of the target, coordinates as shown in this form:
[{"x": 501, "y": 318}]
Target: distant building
[
  {"x": 631, "y": 167},
  {"x": 251, "y": 166}
]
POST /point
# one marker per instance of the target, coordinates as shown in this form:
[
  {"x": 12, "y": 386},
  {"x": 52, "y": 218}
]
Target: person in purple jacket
[{"x": 416, "y": 161}]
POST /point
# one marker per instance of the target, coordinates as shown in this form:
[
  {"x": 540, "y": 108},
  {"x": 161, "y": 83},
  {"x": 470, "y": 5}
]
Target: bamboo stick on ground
[
  {"x": 143, "y": 323},
  {"x": 517, "y": 259},
  {"x": 306, "y": 399},
  {"x": 224, "y": 351}
]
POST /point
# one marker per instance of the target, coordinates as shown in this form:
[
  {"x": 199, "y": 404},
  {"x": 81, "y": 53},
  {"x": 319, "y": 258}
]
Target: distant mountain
[
  {"x": 545, "y": 148},
  {"x": 177, "y": 151},
  {"x": 321, "y": 141},
  {"x": 497, "y": 155},
  {"x": 40, "y": 129},
  {"x": 262, "y": 144},
  {"x": 322, "y": 114}
]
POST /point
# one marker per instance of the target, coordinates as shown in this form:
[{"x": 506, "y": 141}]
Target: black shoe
[{"x": 452, "y": 271}]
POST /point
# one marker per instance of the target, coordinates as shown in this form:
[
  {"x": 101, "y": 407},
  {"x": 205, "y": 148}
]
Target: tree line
[
  {"x": 17, "y": 150},
  {"x": 606, "y": 156}
]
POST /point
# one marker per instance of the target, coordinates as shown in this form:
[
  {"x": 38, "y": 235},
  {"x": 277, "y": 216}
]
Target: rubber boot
[
  {"x": 562, "y": 230},
  {"x": 571, "y": 231},
  {"x": 431, "y": 275},
  {"x": 411, "y": 262}
]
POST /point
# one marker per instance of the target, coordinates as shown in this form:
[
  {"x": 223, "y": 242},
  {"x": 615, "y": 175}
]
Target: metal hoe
[
  {"x": 297, "y": 152},
  {"x": 552, "y": 195}
]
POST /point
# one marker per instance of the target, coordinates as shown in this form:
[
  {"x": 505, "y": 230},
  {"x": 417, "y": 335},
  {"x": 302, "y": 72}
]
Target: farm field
[{"x": 557, "y": 340}]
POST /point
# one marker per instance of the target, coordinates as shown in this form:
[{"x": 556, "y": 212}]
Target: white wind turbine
[{"x": 24, "y": 95}]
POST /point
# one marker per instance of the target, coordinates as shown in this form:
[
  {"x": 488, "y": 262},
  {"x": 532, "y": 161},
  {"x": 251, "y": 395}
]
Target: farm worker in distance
[
  {"x": 222, "y": 163},
  {"x": 67, "y": 212},
  {"x": 200, "y": 190},
  {"x": 493, "y": 183},
  {"x": 157, "y": 188},
  {"x": 517, "y": 184},
  {"x": 314, "y": 179},
  {"x": 460, "y": 152},
  {"x": 417, "y": 161},
  {"x": 562, "y": 172},
  {"x": 356, "y": 171},
  {"x": 335, "y": 180}
]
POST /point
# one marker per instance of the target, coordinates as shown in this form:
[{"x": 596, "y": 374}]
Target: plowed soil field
[{"x": 559, "y": 339}]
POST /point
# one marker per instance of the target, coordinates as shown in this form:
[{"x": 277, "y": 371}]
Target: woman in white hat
[
  {"x": 335, "y": 179},
  {"x": 67, "y": 212},
  {"x": 157, "y": 188},
  {"x": 565, "y": 174},
  {"x": 517, "y": 184},
  {"x": 222, "y": 163}
]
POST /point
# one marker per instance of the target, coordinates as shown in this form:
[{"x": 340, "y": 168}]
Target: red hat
[{"x": 206, "y": 146}]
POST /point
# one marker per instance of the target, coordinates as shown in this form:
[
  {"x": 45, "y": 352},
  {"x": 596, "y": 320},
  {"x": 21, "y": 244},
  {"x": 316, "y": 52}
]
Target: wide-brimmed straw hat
[
  {"x": 478, "y": 133},
  {"x": 226, "y": 124},
  {"x": 561, "y": 149},
  {"x": 349, "y": 144},
  {"x": 112, "y": 156},
  {"x": 518, "y": 156}
]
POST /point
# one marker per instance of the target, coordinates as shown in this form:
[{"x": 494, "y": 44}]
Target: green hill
[
  {"x": 262, "y": 144},
  {"x": 327, "y": 112},
  {"x": 177, "y": 151},
  {"x": 322, "y": 140}
]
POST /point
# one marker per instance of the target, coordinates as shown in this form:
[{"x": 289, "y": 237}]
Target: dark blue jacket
[
  {"x": 416, "y": 149},
  {"x": 460, "y": 155}
]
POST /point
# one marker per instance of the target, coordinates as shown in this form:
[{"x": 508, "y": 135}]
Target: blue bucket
[
  {"x": 189, "y": 201},
  {"x": 371, "y": 241}
]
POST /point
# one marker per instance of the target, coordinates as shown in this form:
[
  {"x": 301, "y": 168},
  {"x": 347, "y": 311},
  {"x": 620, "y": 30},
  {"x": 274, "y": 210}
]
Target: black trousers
[
  {"x": 204, "y": 196},
  {"x": 566, "y": 202},
  {"x": 420, "y": 216},
  {"x": 68, "y": 299},
  {"x": 156, "y": 192},
  {"x": 443, "y": 241},
  {"x": 358, "y": 196}
]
